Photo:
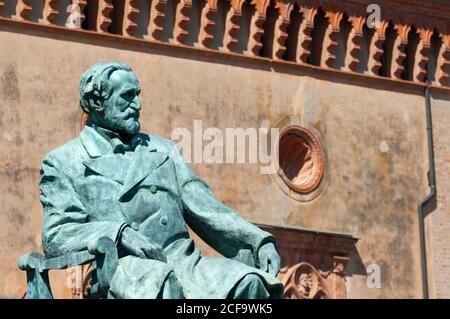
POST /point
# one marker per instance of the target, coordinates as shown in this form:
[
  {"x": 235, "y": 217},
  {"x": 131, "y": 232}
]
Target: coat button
[
  {"x": 153, "y": 189},
  {"x": 163, "y": 220},
  {"x": 135, "y": 225}
]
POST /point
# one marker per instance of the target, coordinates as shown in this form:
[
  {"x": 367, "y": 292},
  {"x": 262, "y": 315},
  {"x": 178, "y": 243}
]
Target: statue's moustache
[{"x": 133, "y": 114}]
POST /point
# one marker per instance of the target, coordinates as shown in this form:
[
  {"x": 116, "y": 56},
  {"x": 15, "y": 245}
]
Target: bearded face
[{"x": 121, "y": 109}]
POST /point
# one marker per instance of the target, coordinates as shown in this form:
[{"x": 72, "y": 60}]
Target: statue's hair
[{"x": 95, "y": 81}]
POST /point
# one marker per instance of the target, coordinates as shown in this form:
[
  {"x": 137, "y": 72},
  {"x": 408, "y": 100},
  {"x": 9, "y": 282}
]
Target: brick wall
[{"x": 439, "y": 220}]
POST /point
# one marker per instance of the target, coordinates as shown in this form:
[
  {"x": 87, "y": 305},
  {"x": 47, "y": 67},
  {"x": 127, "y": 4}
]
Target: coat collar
[
  {"x": 94, "y": 143},
  {"x": 97, "y": 144},
  {"x": 146, "y": 158}
]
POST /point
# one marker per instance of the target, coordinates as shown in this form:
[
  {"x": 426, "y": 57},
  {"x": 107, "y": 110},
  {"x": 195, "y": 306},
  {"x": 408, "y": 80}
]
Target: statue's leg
[
  {"x": 250, "y": 287},
  {"x": 137, "y": 278},
  {"x": 171, "y": 289},
  {"x": 217, "y": 277}
]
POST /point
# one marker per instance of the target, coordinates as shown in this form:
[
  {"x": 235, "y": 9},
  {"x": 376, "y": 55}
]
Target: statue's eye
[{"x": 128, "y": 95}]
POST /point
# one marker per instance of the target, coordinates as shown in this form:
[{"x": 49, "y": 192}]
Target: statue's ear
[{"x": 96, "y": 103}]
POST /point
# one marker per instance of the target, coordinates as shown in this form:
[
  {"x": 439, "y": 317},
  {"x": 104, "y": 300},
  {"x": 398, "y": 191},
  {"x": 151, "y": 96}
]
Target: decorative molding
[
  {"x": 425, "y": 17},
  {"x": 313, "y": 263},
  {"x": 232, "y": 26},
  {"x": 280, "y": 37},
  {"x": 305, "y": 38},
  {"x": 424, "y": 4},
  {"x": 376, "y": 48},
  {"x": 105, "y": 7},
  {"x": 355, "y": 39},
  {"x": 182, "y": 19},
  {"x": 256, "y": 27},
  {"x": 131, "y": 13},
  {"x": 87, "y": 279},
  {"x": 75, "y": 279},
  {"x": 24, "y": 8},
  {"x": 443, "y": 66},
  {"x": 299, "y": 238},
  {"x": 256, "y": 33},
  {"x": 303, "y": 281},
  {"x": 330, "y": 39},
  {"x": 157, "y": 17},
  {"x": 207, "y": 23},
  {"x": 301, "y": 161},
  {"x": 338, "y": 274},
  {"x": 398, "y": 54},
  {"x": 422, "y": 55},
  {"x": 280, "y": 31},
  {"x": 80, "y": 278},
  {"x": 51, "y": 11}
]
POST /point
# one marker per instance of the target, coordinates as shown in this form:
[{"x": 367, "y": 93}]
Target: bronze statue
[{"x": 136, "y": 189}]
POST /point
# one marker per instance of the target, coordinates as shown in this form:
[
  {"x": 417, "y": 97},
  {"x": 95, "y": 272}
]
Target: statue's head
[{"x": 109, "y": 93}]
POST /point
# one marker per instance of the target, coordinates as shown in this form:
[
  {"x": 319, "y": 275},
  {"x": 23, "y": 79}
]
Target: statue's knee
[
  {"x": 251, "y": 286},
  {"x": 172, "y": 288},
  {"x": 252, "y": 279}
]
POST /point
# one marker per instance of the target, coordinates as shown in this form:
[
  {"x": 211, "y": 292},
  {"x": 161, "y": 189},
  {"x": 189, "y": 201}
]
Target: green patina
[{"x": 137, "y": 190}]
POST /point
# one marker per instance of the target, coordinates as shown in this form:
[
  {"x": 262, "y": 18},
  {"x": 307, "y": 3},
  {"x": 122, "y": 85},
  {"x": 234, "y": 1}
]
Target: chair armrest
[
  {"x": 103, "y": 251},
  {"x": 106, "y": 260},
  {"x": 38, "y": 286},
  {"x": 30, "y": 261}
]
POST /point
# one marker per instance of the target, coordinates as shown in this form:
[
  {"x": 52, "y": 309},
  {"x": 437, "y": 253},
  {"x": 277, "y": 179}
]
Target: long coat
[{"x": 88, "y": 191}]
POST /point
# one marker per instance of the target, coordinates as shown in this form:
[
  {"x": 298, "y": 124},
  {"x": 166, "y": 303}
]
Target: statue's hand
[
  {"x": 269, "y": 261},
  {"x": 138, "y": 245}
]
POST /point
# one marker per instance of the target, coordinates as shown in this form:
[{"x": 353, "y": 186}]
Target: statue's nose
[{"x": 136, "y": 104}]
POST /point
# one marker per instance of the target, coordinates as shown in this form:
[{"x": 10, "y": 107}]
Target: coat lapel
[
  {"x": 145, "y": 161},
  {"x": 103, "y": 161},
  {"x": 111, "y": 166}
]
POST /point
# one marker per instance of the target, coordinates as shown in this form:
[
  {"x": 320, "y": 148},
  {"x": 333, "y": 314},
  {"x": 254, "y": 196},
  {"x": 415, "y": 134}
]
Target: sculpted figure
[
  {"x": 136, "y": 189},
  {"x": 305, "y": 284}
]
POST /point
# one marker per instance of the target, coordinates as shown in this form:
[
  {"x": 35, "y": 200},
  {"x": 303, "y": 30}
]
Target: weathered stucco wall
[
  {"x": 438, "y": 221},
  {"x": 375, "y": 141}
]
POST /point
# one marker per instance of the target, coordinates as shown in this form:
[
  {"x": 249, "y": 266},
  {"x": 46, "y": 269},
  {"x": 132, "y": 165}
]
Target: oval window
[{"x": 301, "y": 161}]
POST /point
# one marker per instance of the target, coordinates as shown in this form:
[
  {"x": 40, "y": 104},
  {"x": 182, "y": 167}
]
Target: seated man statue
[{"x": 136, "y": 189}]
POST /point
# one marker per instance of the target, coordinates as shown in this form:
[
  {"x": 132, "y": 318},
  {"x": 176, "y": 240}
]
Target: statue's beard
[
  {"x": 121, "y": 122},
  {"x": 130, "y": 123},
  {"x": 124, "y": 127},
  {"x": 130, "y": 126}
]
